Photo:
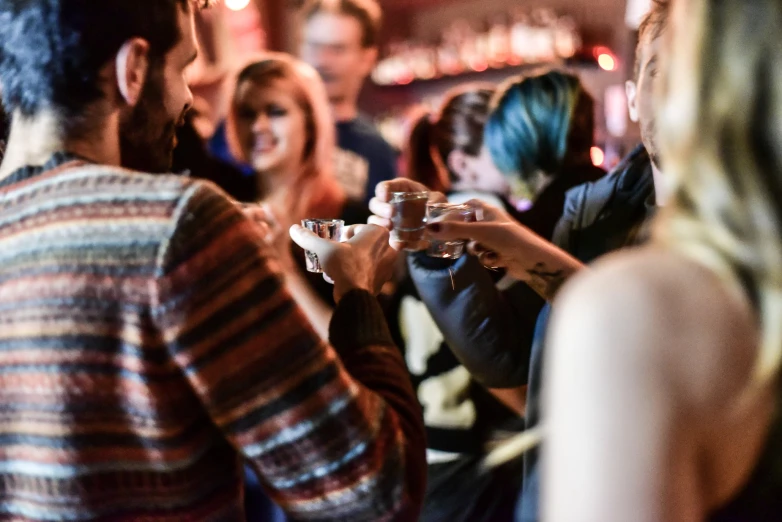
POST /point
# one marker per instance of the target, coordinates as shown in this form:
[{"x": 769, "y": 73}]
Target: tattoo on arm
[{"x": 546, "y": 282}]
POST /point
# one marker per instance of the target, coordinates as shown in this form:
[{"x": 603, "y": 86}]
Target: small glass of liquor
[
  {"x": 330, "y": 229},
  {"x": 448, "y": 212},
  {"x": 409, "y": 216}
]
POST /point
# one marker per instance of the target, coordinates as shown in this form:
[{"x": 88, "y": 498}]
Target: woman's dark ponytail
[{"x": 421, "y": 165}]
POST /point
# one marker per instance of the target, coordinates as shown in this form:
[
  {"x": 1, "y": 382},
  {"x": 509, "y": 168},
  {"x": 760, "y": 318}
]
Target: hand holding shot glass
[
  {"x": 355, "y": 257},
  {"x": 404, "y": 207},
  {"x": 439, "y": 212}
]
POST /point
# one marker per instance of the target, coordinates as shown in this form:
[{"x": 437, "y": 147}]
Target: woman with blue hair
[{"x": 540, "y": 134}]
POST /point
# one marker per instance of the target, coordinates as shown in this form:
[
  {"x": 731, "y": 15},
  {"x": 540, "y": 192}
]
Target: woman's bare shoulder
[{"x": 670, "y": 311}]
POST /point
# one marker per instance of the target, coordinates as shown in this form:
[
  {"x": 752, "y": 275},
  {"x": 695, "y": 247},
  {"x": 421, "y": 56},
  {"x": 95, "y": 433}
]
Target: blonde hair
[
  {"x": 315, "y": 188},
  {"x": 720, "y": 115}
]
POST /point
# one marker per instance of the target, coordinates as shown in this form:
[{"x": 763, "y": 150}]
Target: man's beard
[
  {"x": 147, "y": 134},
  {"x": 648, "y": 133}
]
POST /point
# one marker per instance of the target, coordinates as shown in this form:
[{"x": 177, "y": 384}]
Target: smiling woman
[{"x": 280, "y": 124}]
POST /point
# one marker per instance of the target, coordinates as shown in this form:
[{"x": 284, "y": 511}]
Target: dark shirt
[
  {"x": 218, "y": 147},
  {"x": 363, "y": 158},
  {"x": 192, "y": 156}
]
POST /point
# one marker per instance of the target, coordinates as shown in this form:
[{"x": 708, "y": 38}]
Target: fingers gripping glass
[
  {"x": 330, "y": 229},
  {"x": 448, "y": 212}
]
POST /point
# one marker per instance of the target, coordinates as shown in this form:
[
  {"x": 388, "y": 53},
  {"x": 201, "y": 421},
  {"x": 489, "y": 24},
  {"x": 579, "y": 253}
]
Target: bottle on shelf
[
  {"x": 567, "y": 41},
  {"x": 542, "y": 48},
  {"x": 520, "y": 37},
  {"x": 499, "y": 42},
  {"x": 538, "y": 37}
]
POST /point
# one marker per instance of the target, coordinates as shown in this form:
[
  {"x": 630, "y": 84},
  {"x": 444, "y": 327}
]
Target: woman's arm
[
  {"x": 317, "y": 311},
  {"x": 500, "y": 241},
  {"x": 616, "y": 446}
]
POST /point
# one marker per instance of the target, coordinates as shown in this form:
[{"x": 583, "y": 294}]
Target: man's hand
[
  {"x": 364, "y": 261},
  {"x": 383, "y": 211},
  {"x": 273, "y": 231}
]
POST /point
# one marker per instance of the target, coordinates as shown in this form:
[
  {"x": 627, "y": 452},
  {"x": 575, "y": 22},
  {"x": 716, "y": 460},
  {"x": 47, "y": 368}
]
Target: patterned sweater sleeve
[{"x": 334, "y": 431}]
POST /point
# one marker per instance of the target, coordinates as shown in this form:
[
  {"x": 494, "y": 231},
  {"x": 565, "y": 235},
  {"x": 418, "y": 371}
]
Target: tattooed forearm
[{"x": 546, "y": 282}]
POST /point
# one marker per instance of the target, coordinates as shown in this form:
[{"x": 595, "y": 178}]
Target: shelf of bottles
[{"x": 539, "y": 37}]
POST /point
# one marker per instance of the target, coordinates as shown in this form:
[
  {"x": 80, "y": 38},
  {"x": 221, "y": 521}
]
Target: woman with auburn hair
[
  {"x": 445, "y": 149},
  {"x": 664, "y": 363},
  {"x": 280, "y": 124}
]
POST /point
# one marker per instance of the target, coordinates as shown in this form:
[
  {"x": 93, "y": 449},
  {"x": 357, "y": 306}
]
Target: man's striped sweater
[{"x": 148, "y": 345}]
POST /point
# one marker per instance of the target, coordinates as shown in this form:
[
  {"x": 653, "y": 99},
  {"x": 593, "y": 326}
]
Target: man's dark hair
[
  {"x": 652, "y": 26},
  {"x": 367, "y": 12},
  {"x": 52, "y": 51}
]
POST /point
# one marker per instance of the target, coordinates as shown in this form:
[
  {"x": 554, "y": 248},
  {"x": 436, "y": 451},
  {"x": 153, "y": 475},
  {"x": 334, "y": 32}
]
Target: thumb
[
  {"x": 307, "y": 239},
  {"x": 354, "y": 230}
]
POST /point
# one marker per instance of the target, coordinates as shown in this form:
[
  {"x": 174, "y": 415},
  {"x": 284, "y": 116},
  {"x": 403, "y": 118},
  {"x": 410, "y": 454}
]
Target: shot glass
[
  {"x": 330, "y": 229},
  {"x": 409, "y": 216},
  {"x": 451, "y": 212}
]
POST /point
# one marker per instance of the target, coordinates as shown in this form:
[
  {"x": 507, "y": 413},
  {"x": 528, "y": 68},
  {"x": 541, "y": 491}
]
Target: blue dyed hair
[{"x": 537, "y": 121}]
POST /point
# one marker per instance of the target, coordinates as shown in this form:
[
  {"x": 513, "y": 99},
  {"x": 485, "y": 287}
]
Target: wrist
[{"x": 341, "y": 288}]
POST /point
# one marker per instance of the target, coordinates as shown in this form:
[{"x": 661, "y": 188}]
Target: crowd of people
[{"x": 166, "y": 355}]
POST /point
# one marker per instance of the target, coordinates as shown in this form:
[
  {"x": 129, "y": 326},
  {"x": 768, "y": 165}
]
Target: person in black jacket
[{"x": 478, "y": 321}]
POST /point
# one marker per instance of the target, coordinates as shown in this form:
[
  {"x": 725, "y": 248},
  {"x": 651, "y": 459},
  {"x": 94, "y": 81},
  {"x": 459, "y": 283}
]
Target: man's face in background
[
  {"x": 640, "y": 95},
  {"x": 333, "y": 44}
]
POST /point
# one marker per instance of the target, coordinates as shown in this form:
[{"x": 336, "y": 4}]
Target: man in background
[{"x": 341, "y": 41}]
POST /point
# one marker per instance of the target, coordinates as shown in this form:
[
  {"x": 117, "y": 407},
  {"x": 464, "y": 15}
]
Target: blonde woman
[
  {"x": 663, "y": 364},
  {"x": 280, "y": 124}
]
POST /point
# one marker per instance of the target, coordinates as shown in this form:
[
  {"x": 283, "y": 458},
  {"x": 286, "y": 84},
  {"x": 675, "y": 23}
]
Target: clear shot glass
[
  {"x": 448, "y": 212},
  {"x": 409, "y": 216},
  {"x": 330, "y": 229}
]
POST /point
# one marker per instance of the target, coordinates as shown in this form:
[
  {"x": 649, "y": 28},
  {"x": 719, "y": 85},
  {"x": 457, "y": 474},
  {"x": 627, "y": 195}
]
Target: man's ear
[
  {"x": 132, "y": 66},
  {"x": 631, "y": 89}
]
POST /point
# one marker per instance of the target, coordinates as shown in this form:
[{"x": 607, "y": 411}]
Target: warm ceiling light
[
  {"x": 236, "y": 5},
  {"x": 606, "y": 62},
  {"x": 598, "y": 156}
]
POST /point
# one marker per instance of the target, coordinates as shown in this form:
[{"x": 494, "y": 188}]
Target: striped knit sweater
[{"x": 147, "y": 346}]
